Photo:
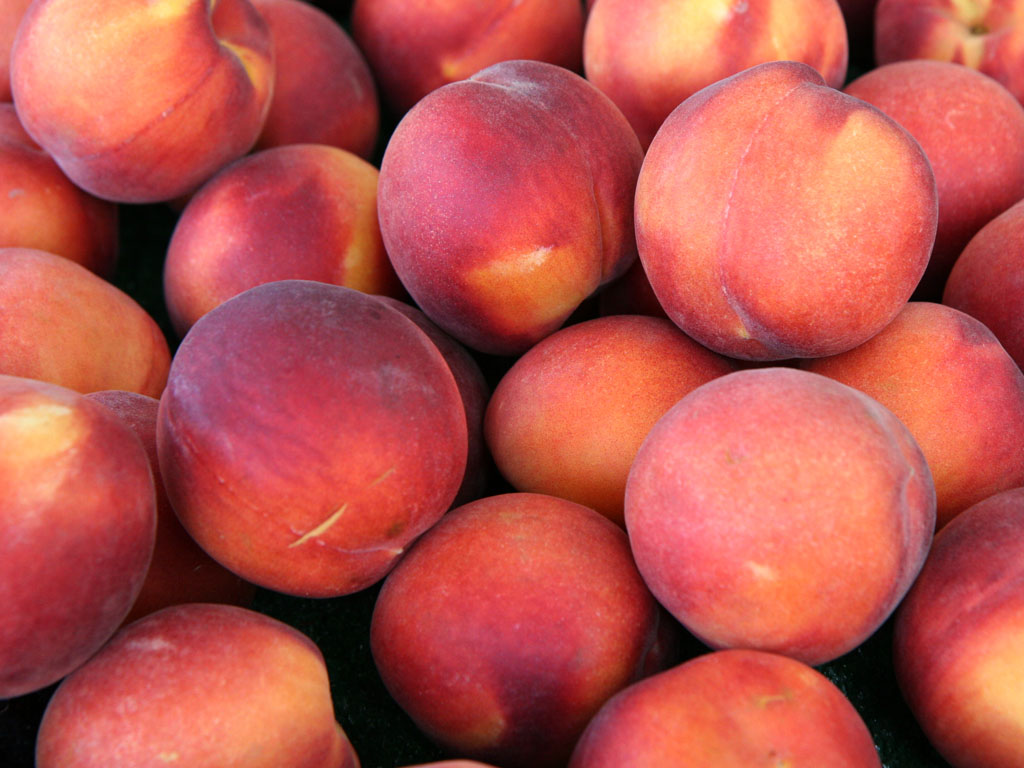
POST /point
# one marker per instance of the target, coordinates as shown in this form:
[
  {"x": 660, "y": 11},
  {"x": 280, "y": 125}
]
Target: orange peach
[
  {"x": 141, "y": 101},
  {"x": 180, "y": 572},
  {"x": 958, "y": 643},
  {"x": 78, "y": 515},
  {"x": 302, "y": 212},
  {"x": 65, "y": 325},
  {"x": 651, "y": 55},
  {"x": 987, "y": 280},
  {"x": 506, "y": 200},
  {"x": 40, "y": 207},
  {"x": 508, "y": 625},
  {"x": 952, "y": 384},
  {"x": 207, "y": 686},
  {"x": 416, "y": 47},
  {"x": 308, "y": 434},
  {"x": 324, "y": 92},
  {"x": 777, "y": 217},
  {"x": 729, "y": 709},
  {"x": 570, "y": 414},
  {"x": 972, "y": 130},
  {"x": 11, "y": 12},
  {"x": 780, "y": 510}
]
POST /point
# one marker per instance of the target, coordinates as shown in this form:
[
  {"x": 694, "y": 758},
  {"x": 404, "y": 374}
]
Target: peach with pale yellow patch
[
  {"x": 201, "y": 685},
  {"x": 777, "y": 217},
  {"x": 141, "y": 101},
  {"x": 298, "y": 212},
  {"x": 65, "y": 325},
  {"x": 507, "y": 199},
  {"x": 651, "y": 55}
]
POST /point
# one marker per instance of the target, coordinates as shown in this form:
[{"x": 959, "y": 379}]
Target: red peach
[
  {"x": 78, "y": 515},
  {"x": 302, "y": 212},
  {"x": 11, "y": 12}
]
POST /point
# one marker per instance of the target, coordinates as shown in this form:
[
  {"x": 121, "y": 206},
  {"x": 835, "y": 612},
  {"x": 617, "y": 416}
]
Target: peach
[
  {"x": 780, "y": 510},
  {"x": 324, "y": 92},
  {"x": 416, "y": 47},
  {"x": 972, "y": 130},
  {"x": 958, "y": 644},
  {"x": 651, "y": 55},
  {"x": 40, "y": 207},
  {"x": 777, "y": 217},
  {"x": 987, "y": 280},
  {"x": 506, "y": 199},
  {"x": 952, "y": 384},
  {"x": 11, "y": 12},
  {"x": 180, "y": 572},
  {"x": 570, "y": 414},
  {"x": 207, "y": 686},
  {"x": 78, "y": 515},
  {"x": 65, "y": 325},
  {"x": 986, "y": 36},
  {"x": 303, "y": 212},
  {"x": 140, "y": 101},
  {"x": 729, "y": 709},
  {"x": 509, "y": 623},
  {"x": 475, "y": 392},
  {"x": 308, "y": 434},
  {"x": 630, "y": 294}
]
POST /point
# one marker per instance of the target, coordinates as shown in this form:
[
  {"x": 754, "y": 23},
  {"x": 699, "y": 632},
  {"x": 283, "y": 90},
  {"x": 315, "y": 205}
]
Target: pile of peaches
[{"x": 524, "y": 383}]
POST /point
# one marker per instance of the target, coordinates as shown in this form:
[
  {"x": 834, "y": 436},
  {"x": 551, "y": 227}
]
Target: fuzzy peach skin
[
  {"x": 298, "y": 212},
  {"x": 509, "y": 623},
  {"x": 308, "y": 435},
  {"x": 729, "y": 709},
  {"x": 972, "y": 130},
  {"x": 651, "y": 55},
  {"x": 987, "y": 36},
  {"x": 780, "y": 510},
  {"x": 141, "y": 101},
  {"x": 987, "y": 280},
  {"x": 948, "y": 379},
  {"x": 475, "y": 392},
  {"x": 65, "y": 325},
  {"x": 180, "y": 572},
  {"x": 958, "y": 643},
  {"x": 506, "y": 199},
  {"x": 207, "y": 686},
  {"x": 416, "y": 47},
  {"x": 11, "y": 12},
  {"x": 569, "y": 416},
  {"x": 41, "y": 208},
  {"x": 777, "y": 217},
  {"x": 324, "y": 92},
  {"x": 78, "y": 514}
]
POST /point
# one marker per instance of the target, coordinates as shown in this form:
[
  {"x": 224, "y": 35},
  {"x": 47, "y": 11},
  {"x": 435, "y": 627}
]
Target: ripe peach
[
  {"x": 140, "y": 101},
  {"x": 972, "y": 130},
  {"x": 780, "y": 510},
  {"x": 506, "y": 200},
  {"x": 65, "y": 325},
  {"x": 777, "y": 217},
  {"x": 729, "y": 709},
  {"x": 952, "y": 384},
  {"x": 416, "y": 47},
  {"x": 11, "y": 12},
  {"x": 308, "y": 434},
  {"x": 324, "y": 92},
  {"x": 207, "y": 686},
  {"x": 509, "y": 623},
  {"x": 303, "y": 212},
  {"x": 987, "y": 280},
  {"x": 180, "y": 572},
  {"x": 40, "y": 207},
  {"x": 570, "y": 414},
  {"x": 78, "y": 515},
  {"x": 651, "y": 55},
  {"x": 958, "y": 644}
]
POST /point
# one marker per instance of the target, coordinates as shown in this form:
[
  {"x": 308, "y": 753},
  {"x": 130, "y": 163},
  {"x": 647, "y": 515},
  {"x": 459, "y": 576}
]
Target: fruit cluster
[{"x": 532, "y": 384}]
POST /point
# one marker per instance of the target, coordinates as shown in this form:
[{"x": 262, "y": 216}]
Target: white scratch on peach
[{"x": 320, "y": 529}]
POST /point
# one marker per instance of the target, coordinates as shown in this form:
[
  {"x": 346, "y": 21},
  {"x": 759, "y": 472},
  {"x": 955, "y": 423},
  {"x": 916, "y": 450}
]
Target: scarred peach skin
[{"x": 777, "y": 217}]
